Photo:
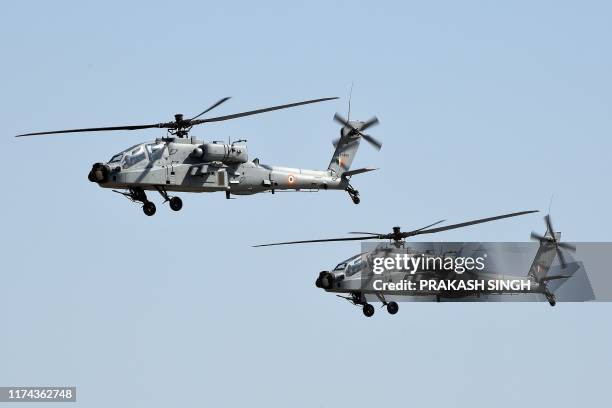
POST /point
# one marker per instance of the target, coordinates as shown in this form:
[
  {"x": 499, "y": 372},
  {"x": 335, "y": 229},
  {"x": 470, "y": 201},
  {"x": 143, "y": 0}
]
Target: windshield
[
  {"x": 130, "y": 157},
  {"x": 116, "y": 158},
  {"x": 354, "y": 266},
  {"x": 119, "y": 156},
  {"x": 342, "y": 265}
]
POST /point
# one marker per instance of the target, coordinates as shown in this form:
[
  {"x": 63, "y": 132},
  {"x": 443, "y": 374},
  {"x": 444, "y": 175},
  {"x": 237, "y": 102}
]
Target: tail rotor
[
  {"x": 356, "y": 128},
  {"x": 551, "y": 237}
]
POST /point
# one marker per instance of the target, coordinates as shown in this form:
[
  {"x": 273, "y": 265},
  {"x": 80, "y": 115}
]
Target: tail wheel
[
  {"x": 392, "y": 307},
  {"x": 368, "y": 310},
  {"x": 149, "y": 208}
]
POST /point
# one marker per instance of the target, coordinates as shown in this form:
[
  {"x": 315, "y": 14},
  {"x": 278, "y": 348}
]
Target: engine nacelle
[{"x": 225, "y": 153}]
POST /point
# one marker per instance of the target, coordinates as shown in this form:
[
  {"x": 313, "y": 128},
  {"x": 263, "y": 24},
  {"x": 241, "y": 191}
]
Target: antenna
[
  {"x": 349, "y": 102},
  {"x": 548, "y": 225},
  {"x": 550, "y": 202}
]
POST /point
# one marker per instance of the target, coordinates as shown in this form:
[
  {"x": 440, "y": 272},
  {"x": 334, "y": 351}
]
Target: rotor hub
[{"x": 397, "y": 233}]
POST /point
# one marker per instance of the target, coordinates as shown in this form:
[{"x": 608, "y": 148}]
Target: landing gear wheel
[
  {"x": 368, "y": 310},
  {"x": 176, "y": 203},
  {"x": 148, "y": 208},
  {"x": 356, "y": 200},
  {"x": 392, "y": 307}
]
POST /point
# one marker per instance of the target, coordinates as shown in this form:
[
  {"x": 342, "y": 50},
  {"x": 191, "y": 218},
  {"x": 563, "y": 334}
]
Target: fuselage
[
  {"x": 355, "y": 276},
  {"x": 189, "y": 165}
]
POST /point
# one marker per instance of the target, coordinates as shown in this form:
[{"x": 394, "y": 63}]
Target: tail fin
[
  {"x": 543, "y": 260},
  {"x": 346, "y": 149}
]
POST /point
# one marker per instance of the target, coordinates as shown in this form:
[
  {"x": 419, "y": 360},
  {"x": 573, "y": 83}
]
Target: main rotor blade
[
  {"x": 219, "y": 102},
  {"x": 466, "y": 224},
  {"x": 430, "y": 225},
  {"x": 257, "y": 111},
  {"x": 99, "y": 129},
  {"x": 365, "y": 233},
  {"x": 317, "y": 240},
  {"x": 377, "y": 145},
  {"x": 173, "y": 125}
]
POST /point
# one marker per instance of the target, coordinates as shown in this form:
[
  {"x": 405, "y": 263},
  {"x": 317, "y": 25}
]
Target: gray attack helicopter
[
  {"x": 352, "y": 279},
  {"x": 179, "y": 163}
]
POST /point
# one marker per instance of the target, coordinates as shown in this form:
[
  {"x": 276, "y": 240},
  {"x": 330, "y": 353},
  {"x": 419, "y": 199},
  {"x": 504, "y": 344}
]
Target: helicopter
[
  {"x": 180, "y": 163},
  {"x": 353, "y": 278}
]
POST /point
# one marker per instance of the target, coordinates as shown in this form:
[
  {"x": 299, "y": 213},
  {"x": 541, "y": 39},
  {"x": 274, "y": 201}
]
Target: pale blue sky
[{"x": 485, "y": 108}]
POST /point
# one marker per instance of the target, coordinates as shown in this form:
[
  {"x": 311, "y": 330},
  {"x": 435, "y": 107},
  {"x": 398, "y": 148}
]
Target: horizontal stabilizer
[{"x": 350, "y": 173}]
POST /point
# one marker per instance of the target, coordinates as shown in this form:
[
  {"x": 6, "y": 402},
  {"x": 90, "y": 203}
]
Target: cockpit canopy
[
  {"x": 351, "y": 266},
  {"x": 140, "y": 153}
]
